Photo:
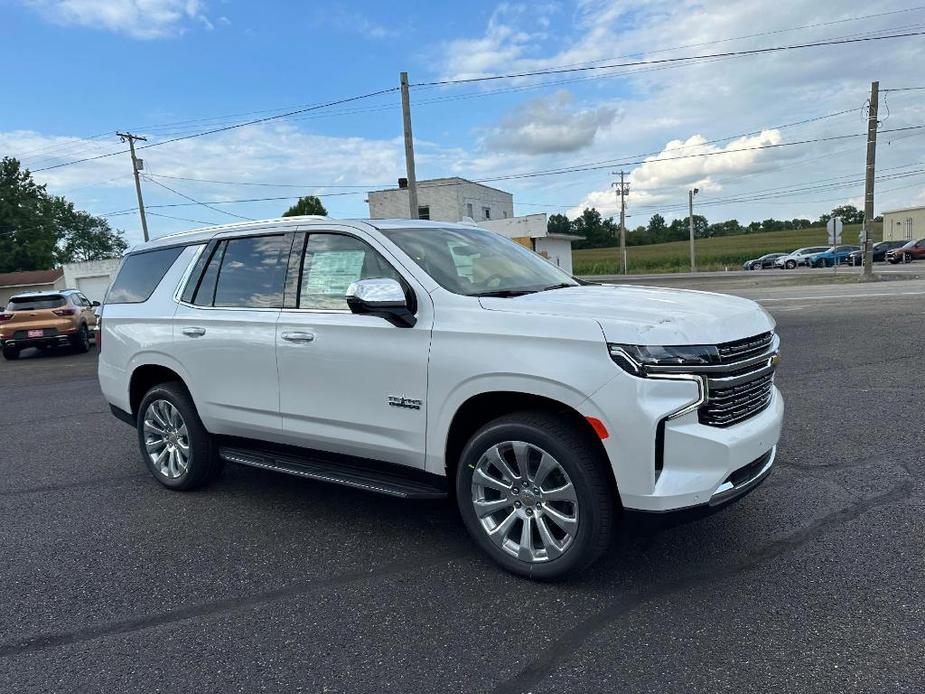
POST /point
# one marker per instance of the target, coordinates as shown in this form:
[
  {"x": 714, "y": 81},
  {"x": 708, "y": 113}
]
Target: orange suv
[{"x": 47, "y": 319}]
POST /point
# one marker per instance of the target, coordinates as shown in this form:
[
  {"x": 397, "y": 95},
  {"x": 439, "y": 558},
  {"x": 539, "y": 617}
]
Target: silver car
[{"x": 799, "y": 257}]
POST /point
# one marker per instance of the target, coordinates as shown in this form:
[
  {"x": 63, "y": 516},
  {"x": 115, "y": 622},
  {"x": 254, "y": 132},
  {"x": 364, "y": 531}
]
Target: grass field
[{"x": 712, "y": 254}]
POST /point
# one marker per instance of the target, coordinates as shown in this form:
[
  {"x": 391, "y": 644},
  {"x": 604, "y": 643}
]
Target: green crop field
[{"x": 712, "y": 254}]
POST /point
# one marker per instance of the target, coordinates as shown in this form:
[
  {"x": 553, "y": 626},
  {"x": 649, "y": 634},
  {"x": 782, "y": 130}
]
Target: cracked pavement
[{"x": 813, "y": 583}]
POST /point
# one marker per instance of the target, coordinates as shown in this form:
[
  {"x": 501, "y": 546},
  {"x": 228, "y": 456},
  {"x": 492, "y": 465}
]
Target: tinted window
[
  {"x": 33, "y": 303},
  {"x": 332, "y": 263},
  {"x": 206, "y": 291},
  {"x": 253, "y": 272},
  {"x": 140, "y": 275}
]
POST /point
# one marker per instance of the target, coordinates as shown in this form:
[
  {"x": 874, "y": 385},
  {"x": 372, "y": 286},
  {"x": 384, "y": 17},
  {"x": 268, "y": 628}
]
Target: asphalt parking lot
[{"x": 813, "y": 583}]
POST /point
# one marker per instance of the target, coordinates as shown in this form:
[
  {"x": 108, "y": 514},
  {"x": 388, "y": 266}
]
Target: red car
[{"x": 914, "y": 250}]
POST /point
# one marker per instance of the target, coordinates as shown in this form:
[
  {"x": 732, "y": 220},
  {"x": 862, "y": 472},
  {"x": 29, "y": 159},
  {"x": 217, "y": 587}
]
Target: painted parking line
[{"x": 840, "y": 296}]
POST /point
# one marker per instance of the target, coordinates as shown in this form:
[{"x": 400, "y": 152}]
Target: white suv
[{"x": 426, "y": 359}]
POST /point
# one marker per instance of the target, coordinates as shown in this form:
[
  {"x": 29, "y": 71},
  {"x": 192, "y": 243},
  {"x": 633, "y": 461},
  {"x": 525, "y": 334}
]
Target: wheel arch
[
  {"x": 481, "y": 408},
  {"x": 146, "y": 376}
]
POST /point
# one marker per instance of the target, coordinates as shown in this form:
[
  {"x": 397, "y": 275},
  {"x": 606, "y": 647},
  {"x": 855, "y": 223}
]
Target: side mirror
[
  {"x": 94, "y": 303},
  {"x": 381, "y": 297}
]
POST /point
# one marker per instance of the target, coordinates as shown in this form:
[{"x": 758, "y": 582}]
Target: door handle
[
  {"x": 194, "y": 332},
  {"x": 298, "y": 337}
]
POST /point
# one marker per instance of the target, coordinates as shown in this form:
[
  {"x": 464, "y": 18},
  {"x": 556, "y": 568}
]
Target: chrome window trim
[{"x": 181, "y": 285}]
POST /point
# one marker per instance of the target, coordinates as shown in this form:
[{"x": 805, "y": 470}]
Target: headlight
[{"x": 632, "y": 358}]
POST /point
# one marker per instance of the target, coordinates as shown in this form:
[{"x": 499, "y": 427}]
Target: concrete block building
[
  {"x": 906, "y": 224},
  {"x": 443, "y": 200}
]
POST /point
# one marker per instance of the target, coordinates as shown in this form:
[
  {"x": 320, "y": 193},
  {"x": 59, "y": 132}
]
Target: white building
[
  {"x": 906, "y": 224},
  {"x": 531, "y": 231},
  {"x": 443, "y": 200},
  {"x": 92, "y": 277}
]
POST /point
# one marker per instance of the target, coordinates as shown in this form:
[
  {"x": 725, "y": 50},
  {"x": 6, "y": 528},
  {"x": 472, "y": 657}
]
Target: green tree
[
  {"x": 83, "y": 236},
  {"x": 558, "y": 224},
  {"x": 28, "y": 234},
  {"x": 38, "y": 231},
  {"x": 310, "y": 204},
  {"x": 849, "y": 214}
]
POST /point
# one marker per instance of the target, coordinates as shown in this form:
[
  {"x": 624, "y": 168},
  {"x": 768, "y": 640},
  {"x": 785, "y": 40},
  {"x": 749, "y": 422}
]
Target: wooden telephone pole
[
  {"x": 622, "y": 190},
  {"x": 137, "y": 165},
  {"x": 409, "y": 148},
  {"x": 869, "y": 179}
]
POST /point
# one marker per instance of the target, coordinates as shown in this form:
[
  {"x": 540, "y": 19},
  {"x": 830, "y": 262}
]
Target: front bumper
[{"x": 682, "y": 464}]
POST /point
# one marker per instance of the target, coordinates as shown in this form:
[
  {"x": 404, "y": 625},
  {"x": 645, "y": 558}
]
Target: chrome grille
[
  {"x": 742, "y": 349},
  {"x": 734, "y": 404}
]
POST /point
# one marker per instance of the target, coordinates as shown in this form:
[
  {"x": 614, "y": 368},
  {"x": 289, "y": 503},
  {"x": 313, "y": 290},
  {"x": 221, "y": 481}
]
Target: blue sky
[{"x": 75, "y": 69}]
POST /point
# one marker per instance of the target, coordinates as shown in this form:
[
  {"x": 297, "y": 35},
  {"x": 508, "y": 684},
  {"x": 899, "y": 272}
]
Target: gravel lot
[{"x": 814, "y": 583}]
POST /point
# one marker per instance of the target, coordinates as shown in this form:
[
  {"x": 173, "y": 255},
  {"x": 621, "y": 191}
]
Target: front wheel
[
  {"x": 10, "y": 353},
  {"x": 534, "y": 492},
  {"x": 790, "y": 264},
  {"x": 175, "y": 445}
]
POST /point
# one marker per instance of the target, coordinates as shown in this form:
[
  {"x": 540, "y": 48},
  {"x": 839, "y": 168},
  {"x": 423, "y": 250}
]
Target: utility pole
[
  {"x": 622, "y": 191},
  {"x": 690, "y": 204},
  {"x": 137, "y": 166},
  {"x": 869, "y": 178},
  {"x": 409, "y": 147}
]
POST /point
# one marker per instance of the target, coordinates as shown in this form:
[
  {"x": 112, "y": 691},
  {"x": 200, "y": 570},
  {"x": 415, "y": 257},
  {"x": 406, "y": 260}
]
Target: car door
[
  {"x": 224, "y": 333},
  {"x": 352, "y": 384},
  {"x": 86, "y": 310}
]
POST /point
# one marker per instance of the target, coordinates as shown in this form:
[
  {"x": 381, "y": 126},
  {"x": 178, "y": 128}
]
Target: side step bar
[{"x": 368, "y": 479}]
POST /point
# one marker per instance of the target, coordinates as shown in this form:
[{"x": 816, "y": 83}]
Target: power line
[
  {"x": 660, "y": 61},
  {"x": 268, "y": 185},
  {"x": 903, "y": 89},
  {"x": 226, "y": 128},
  {"x": 181, "y": 219},
  {"x": 198, "y": 202}
]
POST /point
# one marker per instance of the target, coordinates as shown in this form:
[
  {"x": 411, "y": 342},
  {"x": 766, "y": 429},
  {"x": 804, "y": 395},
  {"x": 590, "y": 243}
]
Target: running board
[{"x": 358, "y": 477}]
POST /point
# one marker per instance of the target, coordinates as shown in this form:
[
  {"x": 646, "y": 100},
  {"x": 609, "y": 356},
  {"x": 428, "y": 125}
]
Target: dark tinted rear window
[
  {"x": 140, "y": 275},
  {"x": 253, "y": 272},
  {"x": 32, "y": 303}
]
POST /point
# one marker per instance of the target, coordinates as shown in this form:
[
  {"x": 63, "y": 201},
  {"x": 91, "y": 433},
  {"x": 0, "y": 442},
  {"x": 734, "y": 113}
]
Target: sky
[{"x": 736, "y": 127}]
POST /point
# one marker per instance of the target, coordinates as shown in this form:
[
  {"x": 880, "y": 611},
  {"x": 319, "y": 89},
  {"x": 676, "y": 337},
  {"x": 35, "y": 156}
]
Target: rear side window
[
  {"x": 140, "y": 275},
  {"x": 253, "y": 272},
  {"x": 34, "y": 303}
]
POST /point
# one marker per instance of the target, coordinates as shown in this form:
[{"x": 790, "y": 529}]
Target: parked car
[
  {"x": 911, "y": 250},
  {"x": 47, "y": 319},
  {"x": 878, "y": 252},
  {"x": 762, "y": 263},
  {"x": 831, "y": 256},
  {"x": 798, "y": 257},
  {"x": 413, "y": 357}
]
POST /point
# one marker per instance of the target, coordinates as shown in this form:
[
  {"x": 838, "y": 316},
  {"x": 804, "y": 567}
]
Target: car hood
[{"x": 647, "y": 315}]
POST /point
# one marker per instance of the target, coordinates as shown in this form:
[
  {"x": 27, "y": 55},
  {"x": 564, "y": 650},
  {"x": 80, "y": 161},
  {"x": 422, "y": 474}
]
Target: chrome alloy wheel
[
  {"x": 525, "y": 501},
  {"x": 166, "y": 439}
]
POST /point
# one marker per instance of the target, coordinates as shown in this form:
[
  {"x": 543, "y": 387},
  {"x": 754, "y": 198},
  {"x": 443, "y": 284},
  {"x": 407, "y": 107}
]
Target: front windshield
[{"x": 478, "y": 262}]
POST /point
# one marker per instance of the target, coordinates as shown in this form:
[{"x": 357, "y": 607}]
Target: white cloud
[
  {"x": 549, "y": 124},
  {"x": 275, "y": 153},
  {"x": 142, "y": 19},
  {"x": 668, "y": 175}
]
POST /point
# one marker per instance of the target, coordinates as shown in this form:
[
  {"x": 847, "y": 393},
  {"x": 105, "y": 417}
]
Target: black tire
[
  {"x": 790, "y": 264},
  {"x": 587, "y": 468},
  {"x": 204, "y": 465},
  {"x": 11, "y": 353},
  {"x": 81, "y": 341}
]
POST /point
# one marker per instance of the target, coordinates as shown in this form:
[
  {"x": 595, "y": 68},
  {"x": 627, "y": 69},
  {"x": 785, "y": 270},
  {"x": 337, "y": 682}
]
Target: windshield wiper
[
  {"x": 561, "y": 285},
  {"x": 505, "y": 293}
]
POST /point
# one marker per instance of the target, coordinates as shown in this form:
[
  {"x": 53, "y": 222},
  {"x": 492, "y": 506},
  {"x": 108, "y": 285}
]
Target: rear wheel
[
  {"x": 534, "y": 492},
  {"x": 11, "y": 353},
  {"x": 81, "y": 341},
  {"x": 176, "y": 447}
]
